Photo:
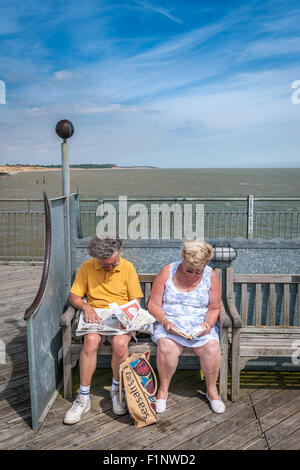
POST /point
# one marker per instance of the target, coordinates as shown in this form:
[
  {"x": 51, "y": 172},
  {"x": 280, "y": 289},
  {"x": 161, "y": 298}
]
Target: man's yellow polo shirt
[{"x": 102, "y": 288}]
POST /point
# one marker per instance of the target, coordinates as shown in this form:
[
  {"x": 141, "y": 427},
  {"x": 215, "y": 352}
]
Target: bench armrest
[
  {"x": 236, "y": 319},
  {"x": 225, "y": 321},
  {"x": 67, "y": 317}
]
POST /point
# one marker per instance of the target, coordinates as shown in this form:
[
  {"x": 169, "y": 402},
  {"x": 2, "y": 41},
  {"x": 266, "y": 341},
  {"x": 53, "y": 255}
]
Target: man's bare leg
[
  {"x": 119, "y": 345},
  {"x": 88, "y": 357}
]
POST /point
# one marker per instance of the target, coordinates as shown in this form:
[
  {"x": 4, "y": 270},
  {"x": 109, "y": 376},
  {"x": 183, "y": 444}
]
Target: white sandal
[
  {"x": 161, "y": 404},
  {"x": 216, "y": 405}
]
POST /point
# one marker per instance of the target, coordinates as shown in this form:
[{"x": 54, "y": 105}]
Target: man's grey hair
[{"x": 103, "y": 248}]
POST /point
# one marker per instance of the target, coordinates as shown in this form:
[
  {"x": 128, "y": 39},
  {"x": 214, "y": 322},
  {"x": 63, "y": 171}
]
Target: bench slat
[
  {"x": 147, "y": 277},
  {"x": 258, "y": 304},
  {"x": 147, "y": 292},
  {"x": 266, "y": 278},
  {"x": 286, "y": 305},
  {"x": 244, "y": 304},
  {"x": 298, "y": 322},
  {"x": 272, "y": 304}
]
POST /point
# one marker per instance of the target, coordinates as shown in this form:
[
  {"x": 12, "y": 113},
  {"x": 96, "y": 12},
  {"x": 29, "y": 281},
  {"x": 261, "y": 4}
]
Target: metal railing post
[{"x": 250, "y": 217}]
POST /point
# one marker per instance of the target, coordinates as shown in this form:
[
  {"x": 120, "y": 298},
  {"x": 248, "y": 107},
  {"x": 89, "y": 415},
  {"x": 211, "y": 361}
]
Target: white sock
[
  {"x": 114, "y": 384},
  {"x": 85, "y": 392}
]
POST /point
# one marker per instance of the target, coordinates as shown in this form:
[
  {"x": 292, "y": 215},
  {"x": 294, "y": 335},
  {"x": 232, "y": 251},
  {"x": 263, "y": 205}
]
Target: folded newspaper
[
  {"x": 130, "y": 315},
  {"x": 134, "y": 317}
]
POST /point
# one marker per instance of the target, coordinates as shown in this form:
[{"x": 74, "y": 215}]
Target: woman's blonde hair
[{"x": 196, "y": 252}]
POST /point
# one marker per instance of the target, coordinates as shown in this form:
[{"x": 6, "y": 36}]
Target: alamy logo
[
  {"x": 137, "y": 221},
  {"x": 296, "y": 94},
  {"x": 2, "y": 92}
]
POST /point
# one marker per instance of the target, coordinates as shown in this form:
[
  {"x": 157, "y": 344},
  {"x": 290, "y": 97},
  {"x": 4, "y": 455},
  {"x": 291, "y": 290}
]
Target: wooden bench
[
  {"x": 265, "y": 313},
  {"x": 72, "y": 345}
]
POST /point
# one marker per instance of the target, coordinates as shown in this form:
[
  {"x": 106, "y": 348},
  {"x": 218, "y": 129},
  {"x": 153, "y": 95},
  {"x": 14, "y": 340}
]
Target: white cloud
[
  {"x": 159, "y": 9},
  {"x": 63, "y": 75}
]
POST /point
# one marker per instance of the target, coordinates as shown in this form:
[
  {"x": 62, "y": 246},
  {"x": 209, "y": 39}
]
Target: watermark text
[
  {"x": 159, "y": 221},
  {"x": 296, "y": 95}
]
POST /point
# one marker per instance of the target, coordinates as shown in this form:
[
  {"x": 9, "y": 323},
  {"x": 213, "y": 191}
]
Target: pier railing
[{"x": 22, "y": 221}]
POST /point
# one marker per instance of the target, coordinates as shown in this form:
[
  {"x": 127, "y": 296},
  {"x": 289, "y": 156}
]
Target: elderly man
[{"x": 103, "y": 279}]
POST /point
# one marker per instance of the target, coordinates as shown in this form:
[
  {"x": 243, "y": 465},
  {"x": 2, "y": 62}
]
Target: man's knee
[
  {"x": 91, "y": 343},
  {"x": 120, "y": 345}
]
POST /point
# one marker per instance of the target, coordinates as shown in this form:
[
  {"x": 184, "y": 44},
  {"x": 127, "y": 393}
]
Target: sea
[{"x": 156, "y": 182}]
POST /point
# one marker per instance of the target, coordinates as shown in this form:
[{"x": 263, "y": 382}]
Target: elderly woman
[{"x": 187, "y": 294}]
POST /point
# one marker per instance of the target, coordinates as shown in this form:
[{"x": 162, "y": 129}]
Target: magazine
[
  {"x": 190, "y": 335},
  {"x": 130, "y": 315}
]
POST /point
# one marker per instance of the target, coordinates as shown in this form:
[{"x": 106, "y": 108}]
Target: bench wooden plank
[
  {"x": 244, "y": 303},
  {"x": 272, "y": 304},
  {"x": 265, "y": 278},
  {"x": 298, "y": 316},
  {"x": 286, "y": 305},
  {"x": 258, "y": 304}
]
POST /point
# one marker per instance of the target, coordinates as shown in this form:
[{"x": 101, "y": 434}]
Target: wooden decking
[{"x": 266, "y": 417}]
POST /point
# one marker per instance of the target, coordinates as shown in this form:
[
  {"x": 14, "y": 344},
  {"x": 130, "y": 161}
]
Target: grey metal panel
[{"x": 43, "y": 330}]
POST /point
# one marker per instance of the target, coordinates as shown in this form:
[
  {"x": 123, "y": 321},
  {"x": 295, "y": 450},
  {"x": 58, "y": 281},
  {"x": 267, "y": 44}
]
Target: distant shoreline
[{"x": 14, "y": 169}]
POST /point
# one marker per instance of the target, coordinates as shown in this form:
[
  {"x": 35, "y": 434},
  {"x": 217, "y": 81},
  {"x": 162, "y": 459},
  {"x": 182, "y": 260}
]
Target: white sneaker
[
  {"x": 161, "y": 405},
  {"x": 118, "y": 407},
  {"x": 79, "y": 407},
  {"x": 216, "y": 405}
]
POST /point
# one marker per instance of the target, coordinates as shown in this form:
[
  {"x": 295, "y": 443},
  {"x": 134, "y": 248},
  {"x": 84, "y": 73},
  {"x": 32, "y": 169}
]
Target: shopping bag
[{"x": 138, "y": 385}]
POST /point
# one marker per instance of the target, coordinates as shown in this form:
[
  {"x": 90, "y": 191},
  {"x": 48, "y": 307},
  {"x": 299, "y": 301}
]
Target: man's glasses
[{"x": 108, "y": 265}]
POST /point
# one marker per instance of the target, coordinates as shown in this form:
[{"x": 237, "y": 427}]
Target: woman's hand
[
  {"x": 170, "y": 327},
  {"x": 207, "y": 329},
  {"x": 90, "y": 316}
]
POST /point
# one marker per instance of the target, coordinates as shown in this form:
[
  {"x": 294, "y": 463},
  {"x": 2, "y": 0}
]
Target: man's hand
[{"x": 90, "y": 316}]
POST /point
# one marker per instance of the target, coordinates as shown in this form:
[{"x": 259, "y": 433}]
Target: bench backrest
[
  {"x": 265, "y": 299},
  {"x": 146, "y": 281}
]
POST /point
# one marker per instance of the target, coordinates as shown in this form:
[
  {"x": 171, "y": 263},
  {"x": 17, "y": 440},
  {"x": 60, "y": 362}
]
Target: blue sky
[{"x": 168, "y": 83}]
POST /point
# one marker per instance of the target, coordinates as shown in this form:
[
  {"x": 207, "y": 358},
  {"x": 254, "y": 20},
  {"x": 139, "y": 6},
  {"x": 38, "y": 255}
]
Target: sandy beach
[
  {"x": 19, "y": 169},
  {"x": 13, "y": 169}
]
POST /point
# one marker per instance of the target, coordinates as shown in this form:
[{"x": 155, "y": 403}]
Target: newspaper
[
  {"x": 109, "y": 324},
  {"x": 134, "y": 317},
  {"x": 131, "y": 316}
]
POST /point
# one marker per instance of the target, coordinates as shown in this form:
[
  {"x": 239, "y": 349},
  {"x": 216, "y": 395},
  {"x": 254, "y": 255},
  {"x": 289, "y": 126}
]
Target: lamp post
[{"x": 65, "y": 130}]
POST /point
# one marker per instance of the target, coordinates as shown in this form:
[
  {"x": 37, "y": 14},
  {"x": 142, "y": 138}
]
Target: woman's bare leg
[
  {"x": 167, "y": 356},
  {"x": 210, "y": 361}
]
